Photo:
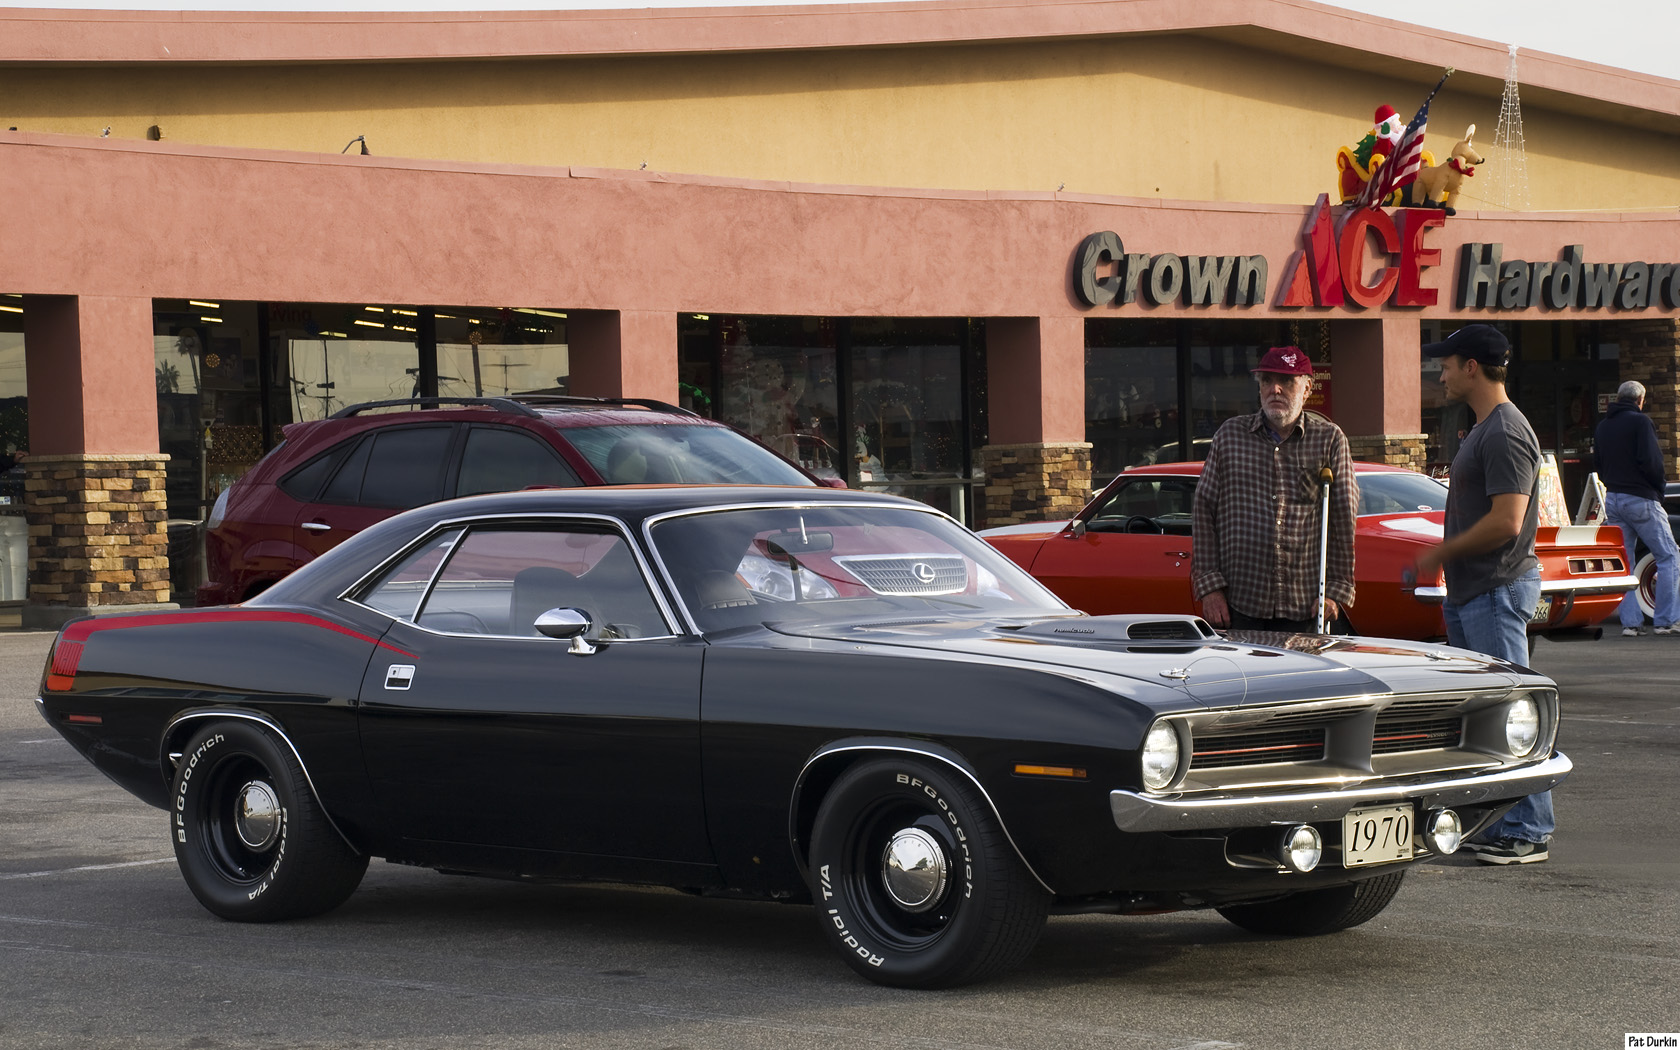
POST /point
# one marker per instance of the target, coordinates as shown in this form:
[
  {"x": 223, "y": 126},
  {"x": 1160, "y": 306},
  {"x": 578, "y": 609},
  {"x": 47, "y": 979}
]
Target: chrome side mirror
[{"x": 567, "y": 623}]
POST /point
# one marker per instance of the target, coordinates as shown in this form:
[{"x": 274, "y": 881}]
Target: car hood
[{"x": 1240, "y": 668}]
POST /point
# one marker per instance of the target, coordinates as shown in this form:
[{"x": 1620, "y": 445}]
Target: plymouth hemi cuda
[{"x": 834, "y": 698}]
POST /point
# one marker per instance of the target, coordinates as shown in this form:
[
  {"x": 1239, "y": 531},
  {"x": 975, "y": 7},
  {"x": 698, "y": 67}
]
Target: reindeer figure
[{"x": 1436, "y": 186}]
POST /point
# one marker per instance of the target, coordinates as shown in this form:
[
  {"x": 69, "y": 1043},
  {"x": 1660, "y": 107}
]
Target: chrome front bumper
[{"x": 1137, "y": 812}]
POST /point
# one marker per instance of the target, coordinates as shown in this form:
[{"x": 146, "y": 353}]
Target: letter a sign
[{"x": 1329, "y": 270}]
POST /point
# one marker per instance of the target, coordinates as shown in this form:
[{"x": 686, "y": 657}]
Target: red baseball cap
[{"x": 1286, "y": 361}]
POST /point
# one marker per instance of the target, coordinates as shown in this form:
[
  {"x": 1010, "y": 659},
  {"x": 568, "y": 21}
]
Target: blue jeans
[
  {"x": 1496, "y": 623},
  {"x": 1646, "y": 520}
]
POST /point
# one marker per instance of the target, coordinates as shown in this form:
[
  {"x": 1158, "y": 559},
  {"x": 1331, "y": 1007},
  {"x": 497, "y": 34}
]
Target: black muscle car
[{"x": 832, "y": 697}]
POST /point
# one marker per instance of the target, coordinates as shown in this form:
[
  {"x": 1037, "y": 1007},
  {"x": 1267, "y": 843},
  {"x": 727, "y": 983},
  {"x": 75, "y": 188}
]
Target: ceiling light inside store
[
  {"x": 539, "y": 313},
  {"x": 336, "y": 335},
  {"x": 205, "y": 305},
  {"x": 407, "y": 313},
  {"x": 400, "y": 328},
  {"x": 368, "y": 324},
  {"x": 11, "y": 309},
  {"x": 211, "y": 320},
  {"x": 702, "y": 317},
  {"x": 374, "y": 309}
]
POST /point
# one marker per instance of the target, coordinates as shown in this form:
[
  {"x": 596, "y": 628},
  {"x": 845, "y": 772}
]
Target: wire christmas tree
[{"x": 1509, "y": 189}]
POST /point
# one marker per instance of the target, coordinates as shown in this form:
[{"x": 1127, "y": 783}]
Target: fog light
[
  {"x": 1301, "y": 848},
  {"x": 1443, "y": 832}
]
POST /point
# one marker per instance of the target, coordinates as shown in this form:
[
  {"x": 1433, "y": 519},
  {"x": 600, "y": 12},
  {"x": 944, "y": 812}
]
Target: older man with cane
[{"x": 1264, "y": 529}]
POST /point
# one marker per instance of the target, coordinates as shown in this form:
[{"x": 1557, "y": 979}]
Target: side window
[
  {"x": 405, "y": 468},
  {"x": 399, "y": 591},
  {"x": 346, "y": 485},
  {"x": 500, "y": 579},
  {"x": 1167, "y": 502},
  {"x": 498, "y": 460},
  {"x": 303, "y": 483}
]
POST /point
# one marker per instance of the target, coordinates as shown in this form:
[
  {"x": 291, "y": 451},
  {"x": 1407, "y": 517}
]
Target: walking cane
[{"x": 1325, "y": 476}]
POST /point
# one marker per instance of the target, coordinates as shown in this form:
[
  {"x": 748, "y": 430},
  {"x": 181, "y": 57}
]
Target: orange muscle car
[{"x": 1129, "y": 551}]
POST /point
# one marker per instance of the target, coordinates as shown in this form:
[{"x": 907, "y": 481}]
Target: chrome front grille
[
  {"x": 1258, "y": 748},
  {"x": 908, "y": 574},
  {"x": 1337, "y": 731},
  {"x": 1398, "y": 735}
]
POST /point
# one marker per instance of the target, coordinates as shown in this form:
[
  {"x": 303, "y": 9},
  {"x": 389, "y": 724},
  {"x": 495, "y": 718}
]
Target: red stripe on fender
[{"x": 79, "y": 632}]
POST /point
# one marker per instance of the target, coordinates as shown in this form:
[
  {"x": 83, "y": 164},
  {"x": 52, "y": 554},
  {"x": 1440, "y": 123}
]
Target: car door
[
  {"x": 1134, "y": 554},
  {"x": 490, "y": 734},
  {"x": 388, "y": 470}
]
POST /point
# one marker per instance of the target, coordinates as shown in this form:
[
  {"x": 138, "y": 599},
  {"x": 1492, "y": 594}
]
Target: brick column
[
  {"x": 1034, "y": 482},
  {"x": 1650, "y": 354},
  {"x": 97, "y": 536},
  {"x": 1398, "y": 450},
  {"x": 1039, "y": 465}
]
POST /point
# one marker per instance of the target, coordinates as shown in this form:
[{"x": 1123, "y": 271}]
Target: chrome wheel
[{"x": 914, "y": 870}]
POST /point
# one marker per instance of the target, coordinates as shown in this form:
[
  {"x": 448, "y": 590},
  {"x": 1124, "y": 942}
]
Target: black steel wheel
[
  {"x": 251, "y": 840},
  {"x": 913, "y": 879},
  {"x": 1313, "y": 912}
]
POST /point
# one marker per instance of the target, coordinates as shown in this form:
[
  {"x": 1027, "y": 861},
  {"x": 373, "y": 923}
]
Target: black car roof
[{"x": 631, "y": 504}]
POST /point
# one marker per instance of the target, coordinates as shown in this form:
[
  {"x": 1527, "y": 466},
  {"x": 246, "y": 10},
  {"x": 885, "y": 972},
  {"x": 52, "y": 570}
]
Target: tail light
[{"x": 61, "y": 665}]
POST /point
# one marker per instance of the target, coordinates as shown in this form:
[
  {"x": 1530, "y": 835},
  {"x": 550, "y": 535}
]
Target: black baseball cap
[{"x": 1473, "y": 342}]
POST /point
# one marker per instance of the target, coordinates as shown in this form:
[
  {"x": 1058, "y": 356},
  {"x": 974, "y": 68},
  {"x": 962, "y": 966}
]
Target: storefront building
[{"x": 1119, "y": 216}]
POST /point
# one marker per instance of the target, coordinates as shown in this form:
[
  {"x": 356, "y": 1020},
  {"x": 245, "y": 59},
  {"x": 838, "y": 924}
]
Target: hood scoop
[{"x": 1123, "y": 628}]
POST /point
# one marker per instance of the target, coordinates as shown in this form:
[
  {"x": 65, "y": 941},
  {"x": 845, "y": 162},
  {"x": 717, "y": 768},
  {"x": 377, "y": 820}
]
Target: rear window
[{"x": 681, "y": 454}]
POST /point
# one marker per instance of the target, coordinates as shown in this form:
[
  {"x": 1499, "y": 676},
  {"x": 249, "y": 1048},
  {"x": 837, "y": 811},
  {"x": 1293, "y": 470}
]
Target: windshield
[
  {"x": 680, "y": 454},
  {"x": 837, "y": 565},
  {"x": 1397, "y": 493}
]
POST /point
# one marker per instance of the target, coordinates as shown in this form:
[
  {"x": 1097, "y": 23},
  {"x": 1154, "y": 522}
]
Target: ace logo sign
[{"x": 1329, "y": 270}]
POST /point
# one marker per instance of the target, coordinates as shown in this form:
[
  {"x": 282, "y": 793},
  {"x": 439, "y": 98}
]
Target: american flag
[{"x": 1404, "y": 163}]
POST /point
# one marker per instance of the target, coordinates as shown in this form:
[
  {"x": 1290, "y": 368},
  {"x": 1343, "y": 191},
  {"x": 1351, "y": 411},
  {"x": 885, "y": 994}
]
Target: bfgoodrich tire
[
  {"x": 1314, "y": 912},
  {"x": 250, "y": 838},
  {"x": 914, "y": 882}
]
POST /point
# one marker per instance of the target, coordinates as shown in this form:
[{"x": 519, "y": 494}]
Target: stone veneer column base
[
  {"x": 1034, "y": 482},
  {"x": 1650, "y": 354},
  {"x": 98, "y": 541},
  {"x": 1397, "y": 450}
]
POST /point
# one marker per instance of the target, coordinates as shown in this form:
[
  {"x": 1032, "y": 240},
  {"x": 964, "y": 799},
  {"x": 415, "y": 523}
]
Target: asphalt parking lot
[{"x": 102, "y": 945}]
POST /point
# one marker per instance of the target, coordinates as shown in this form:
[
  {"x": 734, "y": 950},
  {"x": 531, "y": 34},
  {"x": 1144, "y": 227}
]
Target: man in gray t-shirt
[{"x": 1487, "y": 550}]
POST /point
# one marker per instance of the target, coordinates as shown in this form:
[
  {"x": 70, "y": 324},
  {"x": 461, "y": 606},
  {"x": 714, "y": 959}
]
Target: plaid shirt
[{"x": 1257, "y": 517}]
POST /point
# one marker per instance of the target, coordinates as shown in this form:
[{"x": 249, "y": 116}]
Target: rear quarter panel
[{"x": 137, "y": 674}]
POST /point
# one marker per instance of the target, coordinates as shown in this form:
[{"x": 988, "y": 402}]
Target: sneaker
[
  {"x": 1509, "y": 851},
  {"x": 1671, "y": 629},
  {"x": 1633, "y": 632}
]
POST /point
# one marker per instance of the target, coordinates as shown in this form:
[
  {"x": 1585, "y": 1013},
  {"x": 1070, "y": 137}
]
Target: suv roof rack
[
  {"x": 564, "y": 400},
  {"x": 501, "y": 403}
]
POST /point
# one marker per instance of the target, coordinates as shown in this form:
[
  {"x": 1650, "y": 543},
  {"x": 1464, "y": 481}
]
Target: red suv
[{"x": 331, "y": 478}]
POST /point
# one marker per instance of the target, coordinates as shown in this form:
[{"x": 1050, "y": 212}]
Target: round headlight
[
  {"x": 1160, "y": 756},
  {"x": 1522, "y": 726}
]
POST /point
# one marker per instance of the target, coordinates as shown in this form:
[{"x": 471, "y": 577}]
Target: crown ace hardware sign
[{"x": 1331, "y": 270}]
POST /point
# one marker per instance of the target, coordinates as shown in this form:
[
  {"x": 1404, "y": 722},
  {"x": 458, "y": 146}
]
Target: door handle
[
  {"x": 317, "y": 526},
  {"x": 1176, "y": 554}
]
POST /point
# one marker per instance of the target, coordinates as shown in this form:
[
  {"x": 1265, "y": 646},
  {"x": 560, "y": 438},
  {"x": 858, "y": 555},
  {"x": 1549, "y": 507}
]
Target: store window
[
  {"x": 14, "y": 447},
  {"x": 509, "y": 351},
  {"x": 1157, "y": 389},
  {"x": 889, "y": 404},
  {"x": 1563, "y": 376},
  {"x": 230, "y": 375}
]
